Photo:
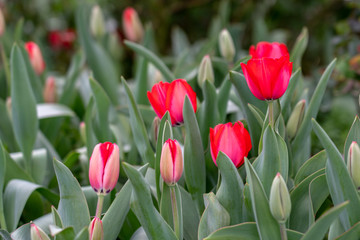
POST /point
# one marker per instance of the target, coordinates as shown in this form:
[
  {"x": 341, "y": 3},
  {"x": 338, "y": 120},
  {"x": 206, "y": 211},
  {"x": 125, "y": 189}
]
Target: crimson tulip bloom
[
  {"x": 170, "y": 97},
  {"x": 104, "y": 167},
  {"x": 171, "y": 162},
  {"x": 270, "y": 50},
  {"x": 233, "y": 140},
  {"x": 35, "y": 56}
]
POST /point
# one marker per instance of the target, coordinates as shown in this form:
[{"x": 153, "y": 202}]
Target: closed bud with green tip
[
  {"x": 280, "y": 203},
  {"x": 205, "y": 71},
  {"x": 37, "y": 233},
  {"x": 353, "y": 163},
  {"x": 295, "y": 119},
  {"x": 226, "y": 44},
  {"x": 97, "y": 25}
]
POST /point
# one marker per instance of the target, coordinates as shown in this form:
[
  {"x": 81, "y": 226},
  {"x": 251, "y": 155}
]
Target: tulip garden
[{"x": 106, "y": 134}]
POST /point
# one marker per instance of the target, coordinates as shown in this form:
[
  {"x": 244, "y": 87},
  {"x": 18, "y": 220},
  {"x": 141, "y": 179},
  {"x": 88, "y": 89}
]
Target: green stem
[
  {"x": 6, "y": 66},
  {"x": 99, "y": 205},
  {"x": 218, "y": 181},
  {"x": 271, "y": 114},
  {"x": 283, "y": 231},
  {"x": 175, "y": 211},
  {"x": 2, "y": 217}
]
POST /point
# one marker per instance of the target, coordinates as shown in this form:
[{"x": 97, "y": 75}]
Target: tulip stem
[
  {"x": 283, "y": 231},
  {"x": 99, "y": 206},
  {"x": 175, "y": 211},
  {"x": 271, "y": 114},
  {"x": 6, "y": 66},
  {"x": 2, "y": 217}
]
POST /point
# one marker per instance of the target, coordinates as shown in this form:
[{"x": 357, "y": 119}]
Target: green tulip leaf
[
  {"x": 318, "y": 193},
  {"x": 353, "y": 135},
  {"x": 138, "y": 128},
  {"x": 91, "y": 139},
  {"x": 72, "y": 207},
  {"x": 191, "y": 217},
  {"x": 214, "y": 217},
  {"x": 321, "y": 226},
  {"x": 285, "y": 100},
  {"x": 336, "y": 229},
  {"x": 83, "y": 234},
  {"x": 230, "y": 192},
  {"x": 299, "y": 155},
  {"x": 179, "y": 40},
  {"x": 17, "y": 193},
  {"x": 22, "y": 232},
  {"x": 312, "y": 165},
  {"x": 352, "y": 234},
  {"x": 268, "y": 227},
  {"x": 92, "y": 199},
  {"x": 62, "y": 233},
  {"x": 25, "y": 122},
  {"x": 14, "y": 170},
  {"x": 259, "y": 116},
  {"x": 273, "y": 159},
  {"x": 223, "y": 98},
  {"x": 151, "y": 57},
  {"x": 299, "y": 47},
  {"x": 6, "y": 129},
  {"x": 52, "y": 110},
  {"x": 340, "y": 184},
  {"x": 4, "y": 235},
  {"x": 2, "y": 181},
  {"x": 56, "y": 219},
  {"x": 194, "y": 162},
  {"x": 150, "y": 219},
  {"x": 98, "y": 59}
]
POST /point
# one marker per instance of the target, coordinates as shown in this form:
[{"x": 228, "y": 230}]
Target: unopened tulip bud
[
  {"x": 2, "y": 23},
  {"x": 353, "y": 163},
  {"x": 35, "y": 56},
  {"x": 226, "y": 44},
  {"x": 36, "y": 233},
  {"x": 296, "y": 119},
  {"x": 155, "y": 129},
  {"x": 97, "y": 25},
  {"x": 8, "y": 106},
  {"x": 96, "y": 231},
  {"x": 171, "y": 162},
  {"x": 83, "y": 131},
  {"x": 280, "y": 203},
  {"x": 49, "y": 93},
  {"x": 104, "y": 167},
  {"x": 132, "y": 26},
  {"x": 205, "y": 71}
]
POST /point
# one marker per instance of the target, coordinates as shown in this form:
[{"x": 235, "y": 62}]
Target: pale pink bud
[
  {"x": 49, "y": 93},
  {"x": 96, "y": 231},
  {"x": 37, "y": 233},
  {"x": 2, "y": 23},
  {"x": 353, "y": 163},
  {"x": 171, "y": 162},
  {"x": 132, "y": 26},
  {"x": 104, "y": 167},
  {"x": 35, "y": 56}
]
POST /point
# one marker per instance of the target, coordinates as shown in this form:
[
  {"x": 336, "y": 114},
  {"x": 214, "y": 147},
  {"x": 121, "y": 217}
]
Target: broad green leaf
[
  {"x": 285, "y": 100},
  {"x": 352, "y": 234},
  {"x": 336, "y": 229},
  {"x": 52, "y": 110},
  {"x": 56, "y": 217},
  {"x": 209, "y": 114},
  {"x": 273, "y": 159},
  {"x": 339, "y": 181},
  {"x": 300, "y": 201},
  {"x": 318, "y": 193},
  {"x": 16, "y": 194},
  {"x": 102, "y": 104},
  {"x": 191, "y": 215},
  {"x": 4, "y": 235},
  {"x": 151, "y": 57},
  {"x": 299, "y": 48},
  {"x": 2, "y": 180},
  {"x": 22, "y": 232},
  {"x": 180, "y": 41},
  {"x": 62, "y": 233},
  {"x": 6, "y": 129},
  {"x": 259, "y": 116},
  {"x": 194, "y": 162},
  {"x": 138, "y": 128},
  {"x": 214, "y": 217},
  {"x": 311, "y": 112},
  {"x": 312, "y": 165},
  {"x": 230, "y": 192},
  {"x": 353, "y": 135},
  {"x": 152, "y": 222},
  {"x": 14, "y": 170},
  {"x": 223, "y": 98},
  {"x": 246, "y": 97},
  {"x": 25, "y": 122},
  {"x": 91, "y": 139},
  {"x": 92, "y": 199},
  {"x": 268, "y": 227},
  {"x": 321, "y": 226},
  {"x": 98, "y": 59},
  {"x": 83, "y": 234},
  {"x": 72, "y": 207}
]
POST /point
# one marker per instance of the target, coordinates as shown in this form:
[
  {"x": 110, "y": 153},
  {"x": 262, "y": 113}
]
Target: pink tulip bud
[
  {"x": 35, "y": 56},
  {"x": 37, "y": 233},
  {"x": 132, "y": 26},
  {"x": 96, "y": 231},
  {"x": 49, "y": 92},
  {"x": 104, "y": 167},
  {"x": 171, "y": 162},
  {"x": 2, "y": 23},
  {"x": 233, "y": 140}
]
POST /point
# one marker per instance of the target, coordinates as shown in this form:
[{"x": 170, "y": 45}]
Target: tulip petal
[
  {"x": 267, "y": 49},
  {"x": 96, "y": 169},
  {"x": 157, "y": 98},
  {"x": 283, "y": 78},
  {"x": 111, "y": 171},
  {"x": 252, "y": 79}
]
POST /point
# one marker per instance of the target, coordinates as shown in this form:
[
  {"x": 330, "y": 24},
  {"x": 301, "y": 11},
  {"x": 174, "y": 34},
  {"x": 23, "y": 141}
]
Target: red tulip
[
  {"x": 35, "y": 56},
  {"x": 171, "y": 162},
  {"x": 132, "y": 26},
  {"x": 49, "y": 91},
  {"x": 62, "y": 39},
  {"x": 233, "y": 140},
  {"x": 104, "y": 167},
  {"x": 271, "y": 50},
  {"x": 170, "y": 97},
  {"x": 268, "y": 78}
]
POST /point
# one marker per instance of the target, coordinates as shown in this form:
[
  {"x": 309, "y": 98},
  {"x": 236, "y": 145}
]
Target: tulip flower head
[
  {"x": 2, "y": 23},
  {"x": 132, "y": 26},
  {"x": 280, "y": 203},
  {"x": 35, "y": 56},
  {"x": 104, "y": 167},
  {"x": 353, "y": 163},
  {"x": 171, "y": 162},
  {"x": 49, "y": 91},
  {"x": 96, "y": 231},
  {"x": 62, "y": 40},
  {"x": 268, "y": 72},
  {"x": 233, "y": 140},
  {"x": 170, "y": 97}
]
